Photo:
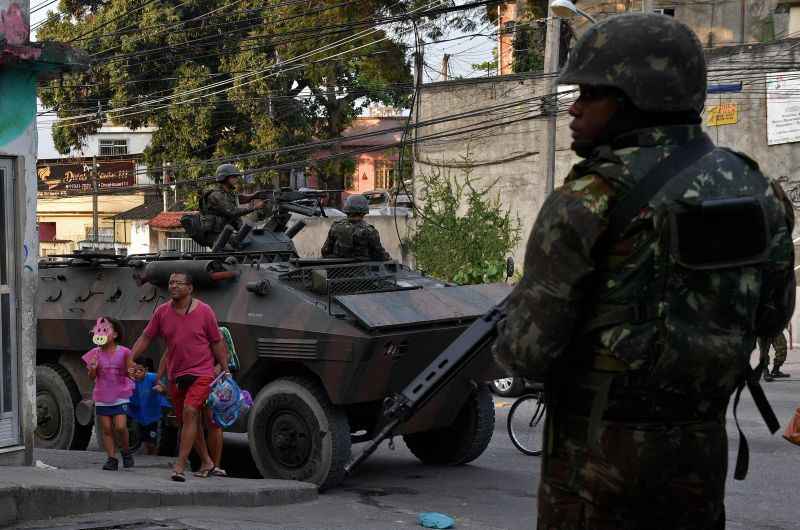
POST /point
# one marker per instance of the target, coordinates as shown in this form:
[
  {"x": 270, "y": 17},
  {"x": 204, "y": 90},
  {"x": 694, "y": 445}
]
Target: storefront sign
[
  {"x": 723, "y": 114},
  {"x": 783, "y": 108},
  {"x": 62, "y": 179}
]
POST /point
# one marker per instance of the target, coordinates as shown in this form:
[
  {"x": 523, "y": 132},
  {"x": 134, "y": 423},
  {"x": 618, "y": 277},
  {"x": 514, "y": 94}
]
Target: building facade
[
  {"x": 22, "y": 64},
  {"x": 717, "y": 23},
  {"x": 65, "y": 191}
]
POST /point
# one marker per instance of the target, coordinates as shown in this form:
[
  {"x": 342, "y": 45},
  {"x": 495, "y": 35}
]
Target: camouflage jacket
[
  {"x": 354, "y": 239},
  {"x": 693, "y": 347},
  {"x": 223, "y": 206}
]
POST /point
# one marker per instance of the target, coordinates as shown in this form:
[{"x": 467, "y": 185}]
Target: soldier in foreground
[
  {"x": 353, "y": 237},
  {"x": 648, "y": 276},
  {"x": 221, "y": 204}
]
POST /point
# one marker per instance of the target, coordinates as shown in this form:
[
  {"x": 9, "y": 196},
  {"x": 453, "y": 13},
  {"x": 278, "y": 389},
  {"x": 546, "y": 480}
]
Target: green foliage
[
  {"x": 464, "y": 234},
  {"x": 490, "y": 67},
  {"x": 289, "y": 88}
]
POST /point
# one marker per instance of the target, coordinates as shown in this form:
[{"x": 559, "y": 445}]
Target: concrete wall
[
  {"x": 18, "y": 143},
  {"x": 749, "y": 135},
  {"x": 508, "y": 155},
  {"x": 310, "y": 240}
]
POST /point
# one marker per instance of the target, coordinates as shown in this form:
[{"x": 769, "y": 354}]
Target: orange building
[{"x": 374, "y": 168}]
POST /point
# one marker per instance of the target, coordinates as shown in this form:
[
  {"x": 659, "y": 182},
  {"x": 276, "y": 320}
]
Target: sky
[{"x": 464, "y": 52}]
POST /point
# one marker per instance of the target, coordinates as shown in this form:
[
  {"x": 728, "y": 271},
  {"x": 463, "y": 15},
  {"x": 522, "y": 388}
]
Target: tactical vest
[{"x": 672, "y": 320}]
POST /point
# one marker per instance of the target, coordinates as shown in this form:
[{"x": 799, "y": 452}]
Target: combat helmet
[
  {"x": 226, "y": 170},
  {"x": 654, "y": 59},
  {"x": 356, "y": 205}
]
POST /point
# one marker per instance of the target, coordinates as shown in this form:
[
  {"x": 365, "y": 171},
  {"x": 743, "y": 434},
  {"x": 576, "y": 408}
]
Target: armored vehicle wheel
[
  {"x": 296, "y": 433},
  {"x": 463, "y": 441},
  {"x": 56, "y": 397}
]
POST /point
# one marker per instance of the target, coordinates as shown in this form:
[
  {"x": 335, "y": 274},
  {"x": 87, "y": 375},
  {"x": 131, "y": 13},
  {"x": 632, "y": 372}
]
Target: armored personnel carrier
[{"x": 320, "y": 342}]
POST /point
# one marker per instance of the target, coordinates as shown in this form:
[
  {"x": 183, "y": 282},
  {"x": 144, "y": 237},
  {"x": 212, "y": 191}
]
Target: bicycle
[{"x": 525, "y": 423}]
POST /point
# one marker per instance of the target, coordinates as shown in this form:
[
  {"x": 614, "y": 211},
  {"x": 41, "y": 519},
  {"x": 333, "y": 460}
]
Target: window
[
  {"x": 113, "y": 147},
  {"x": 384, "y": 174},
  {"x": 669, "y": 11}
]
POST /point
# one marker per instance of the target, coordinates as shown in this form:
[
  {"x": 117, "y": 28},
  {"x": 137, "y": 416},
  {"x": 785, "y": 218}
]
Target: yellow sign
[{"x": 723, "y": 114}]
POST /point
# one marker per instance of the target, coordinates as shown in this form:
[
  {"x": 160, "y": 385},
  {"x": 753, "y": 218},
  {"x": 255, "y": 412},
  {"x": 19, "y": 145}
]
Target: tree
[{"x": 219, "y": 77}]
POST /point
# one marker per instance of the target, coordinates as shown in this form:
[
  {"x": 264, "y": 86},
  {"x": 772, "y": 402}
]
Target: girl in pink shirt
[{"x": 109, "y": 364}]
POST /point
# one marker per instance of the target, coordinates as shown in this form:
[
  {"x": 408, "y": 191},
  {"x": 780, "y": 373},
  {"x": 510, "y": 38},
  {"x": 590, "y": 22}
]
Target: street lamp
[{"x": 567, "y": 9}]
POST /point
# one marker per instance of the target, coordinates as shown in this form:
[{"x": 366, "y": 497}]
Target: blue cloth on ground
[
  {"x": 436, "y": 520},
  {"x": 146, "y": 404}
]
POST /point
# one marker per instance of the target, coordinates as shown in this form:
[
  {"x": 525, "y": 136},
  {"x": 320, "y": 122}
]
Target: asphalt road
[{"x": 497, "y": 491}]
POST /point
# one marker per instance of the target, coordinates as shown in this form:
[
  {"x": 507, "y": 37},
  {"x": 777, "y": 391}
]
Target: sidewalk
[{"x": 80, "y": 486}]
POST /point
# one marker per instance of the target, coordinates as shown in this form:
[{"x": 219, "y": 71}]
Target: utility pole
[
  {"x": 95, "y": 215},
  {"x": 647, "y": 6},
  {"x": 165, "y": 179},
  {"x": 446, "y": 67},
  {"x": 550, "y": 103}
]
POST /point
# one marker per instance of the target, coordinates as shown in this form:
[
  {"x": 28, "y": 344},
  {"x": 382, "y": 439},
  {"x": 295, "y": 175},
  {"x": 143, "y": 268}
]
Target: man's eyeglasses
[{"x": 175, "y": 282}]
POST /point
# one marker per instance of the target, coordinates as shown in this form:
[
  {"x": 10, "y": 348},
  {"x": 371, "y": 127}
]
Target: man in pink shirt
[{"x": 194, "y": 342}]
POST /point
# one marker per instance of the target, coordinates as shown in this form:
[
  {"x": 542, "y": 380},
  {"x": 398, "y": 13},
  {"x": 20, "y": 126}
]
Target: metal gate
[{"x": 9, "y": 423}]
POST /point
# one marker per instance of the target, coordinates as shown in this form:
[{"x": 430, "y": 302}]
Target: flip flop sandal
[
  {"x": 204, "y": 473},
  {"x": 218, "y": 472},
  {"x": 178, "y": 477}
]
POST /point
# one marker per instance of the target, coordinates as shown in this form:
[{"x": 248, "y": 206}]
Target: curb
[{"x": 26, "y": 495}]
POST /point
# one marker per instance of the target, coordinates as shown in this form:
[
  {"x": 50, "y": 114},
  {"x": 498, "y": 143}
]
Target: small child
[
  {"x": 146, "y": 404},
  {"x": 108, "y": 364}
]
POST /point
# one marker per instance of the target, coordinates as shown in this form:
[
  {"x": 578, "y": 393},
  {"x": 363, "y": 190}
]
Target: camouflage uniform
[
  {"x": 635, "y": 429},
  {"x": 349, "y": 238},
  {"x": 781, "y": 348},
  {"x": 221, "y": 207}
]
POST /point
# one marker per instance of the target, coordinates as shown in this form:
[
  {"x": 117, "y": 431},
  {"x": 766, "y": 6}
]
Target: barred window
[{"x": 113, "y": 147}]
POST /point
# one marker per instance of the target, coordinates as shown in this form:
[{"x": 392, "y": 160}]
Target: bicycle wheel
[{"x": 526, "y": 424}]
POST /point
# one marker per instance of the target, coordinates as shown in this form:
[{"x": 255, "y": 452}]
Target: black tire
[
  {"x": 508, "y": 386},
  {"x": 56, "y": 397},
  {"x": 525, "y": 424},
  {"x": 296, "y": 433},
  {"x": 134, "y": 440},
  {"x": 463, "y": 441}
]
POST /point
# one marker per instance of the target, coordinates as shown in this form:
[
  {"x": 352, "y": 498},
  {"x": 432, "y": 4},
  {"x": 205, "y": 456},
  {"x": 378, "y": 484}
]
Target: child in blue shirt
[{"x": 146, "y": 404}]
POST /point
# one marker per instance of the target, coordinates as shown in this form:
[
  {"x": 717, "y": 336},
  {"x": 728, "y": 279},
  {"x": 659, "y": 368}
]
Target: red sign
[{"x": 60, "y": 180}]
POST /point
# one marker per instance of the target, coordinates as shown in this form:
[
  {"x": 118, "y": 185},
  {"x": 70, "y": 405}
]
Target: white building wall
[{"x": 140, "y": 238}]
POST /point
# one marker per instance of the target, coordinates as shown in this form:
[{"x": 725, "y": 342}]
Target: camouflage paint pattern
[
  {"x": 354, "y": 238},
  {"x": 287, "y": 331},
  {"x": 666, "y": 74},
  {"x": 657, "y": 457}
]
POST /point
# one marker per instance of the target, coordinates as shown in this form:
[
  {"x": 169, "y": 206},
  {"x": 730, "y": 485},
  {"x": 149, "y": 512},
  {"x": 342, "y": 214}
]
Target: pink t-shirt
[
  {"x": 112, "y": 385},
  {"x": 189, "y": 338}
]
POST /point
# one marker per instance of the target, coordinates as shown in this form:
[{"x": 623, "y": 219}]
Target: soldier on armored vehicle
[
  {"x": 220, "y": 205},
  {"x": 353, "y": 237}
]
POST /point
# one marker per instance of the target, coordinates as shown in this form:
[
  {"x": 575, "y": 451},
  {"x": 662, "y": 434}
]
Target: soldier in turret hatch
[
  {"x": 221, "y": 204},
  {"x": 353, "y": 237}
]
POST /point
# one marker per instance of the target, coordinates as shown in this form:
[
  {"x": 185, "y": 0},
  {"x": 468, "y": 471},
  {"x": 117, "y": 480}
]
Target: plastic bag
[
  {"x": 227, "y": 401},
  {"x": 792, "y": 432}
]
